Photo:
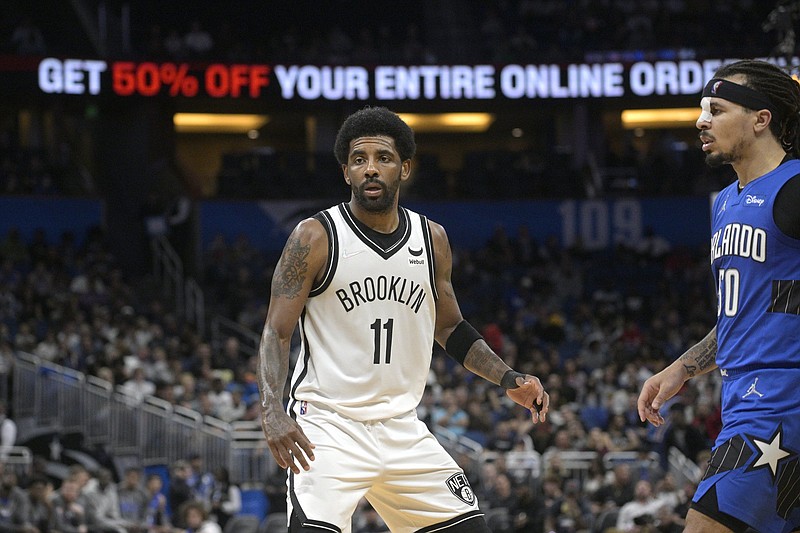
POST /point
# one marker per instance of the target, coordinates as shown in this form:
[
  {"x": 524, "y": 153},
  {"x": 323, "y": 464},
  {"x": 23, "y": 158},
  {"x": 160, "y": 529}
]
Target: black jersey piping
[
  {"x": 452, "y": 523},
  {"x": 333, "y": 253},
  {"x": 426, "y": 236},
  {"x": 306, "y": 356},
  {"x": 385, "y": 253},
  {"x": 298, "y": 511}
]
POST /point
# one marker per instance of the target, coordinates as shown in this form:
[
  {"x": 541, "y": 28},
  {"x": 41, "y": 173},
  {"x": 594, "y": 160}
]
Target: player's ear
[
  {"x": 344, "y": 173},
  {"x": 405, "y": 171},
  {"x": 763, "y": 120}
]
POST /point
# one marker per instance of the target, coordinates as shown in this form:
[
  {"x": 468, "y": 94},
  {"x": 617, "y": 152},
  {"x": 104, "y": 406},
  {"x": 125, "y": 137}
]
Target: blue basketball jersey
[
  {"x": 757, "y": 270},
  {"x": 755, "y": 462}
]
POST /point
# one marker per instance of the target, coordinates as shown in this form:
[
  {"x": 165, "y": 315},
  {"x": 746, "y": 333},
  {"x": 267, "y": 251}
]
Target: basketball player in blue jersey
[
  {"x": 750, "y": 119},
  {"x": 368, "y": 284}
]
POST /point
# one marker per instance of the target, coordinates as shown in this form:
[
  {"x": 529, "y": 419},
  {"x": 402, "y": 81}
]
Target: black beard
[
  {"x": 379, "y": 205},
  {"x": 717, "y": 160}
]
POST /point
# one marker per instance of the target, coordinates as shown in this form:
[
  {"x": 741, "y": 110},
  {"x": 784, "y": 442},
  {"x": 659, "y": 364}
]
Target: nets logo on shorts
[{"x": 459, "y": 485}]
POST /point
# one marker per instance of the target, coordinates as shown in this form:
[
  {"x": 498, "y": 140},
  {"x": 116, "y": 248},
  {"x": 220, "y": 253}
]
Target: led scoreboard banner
[
  {"x": 76, "y": 76},
  {"x": 384, "y": 82}
]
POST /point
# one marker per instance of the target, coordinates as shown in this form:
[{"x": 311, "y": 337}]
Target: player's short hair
[{"x": 375, "y": 121}]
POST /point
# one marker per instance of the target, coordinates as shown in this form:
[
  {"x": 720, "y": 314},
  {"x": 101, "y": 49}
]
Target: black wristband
[
  {"x": 509, "y": 380},
  {"x": 460, "y": 341}
]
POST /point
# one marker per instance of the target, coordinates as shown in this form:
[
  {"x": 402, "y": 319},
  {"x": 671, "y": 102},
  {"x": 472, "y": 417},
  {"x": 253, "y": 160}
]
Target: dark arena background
[{"x": 154, "y": 156}]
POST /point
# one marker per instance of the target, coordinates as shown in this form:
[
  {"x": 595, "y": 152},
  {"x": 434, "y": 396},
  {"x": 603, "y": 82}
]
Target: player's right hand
[
  {"x": 288, "y": 443},
  {"x": 656, "y": 391}
]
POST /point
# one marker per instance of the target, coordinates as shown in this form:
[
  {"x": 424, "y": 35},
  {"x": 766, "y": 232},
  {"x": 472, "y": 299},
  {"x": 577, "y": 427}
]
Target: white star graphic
[{"x": 771, "y": 453}]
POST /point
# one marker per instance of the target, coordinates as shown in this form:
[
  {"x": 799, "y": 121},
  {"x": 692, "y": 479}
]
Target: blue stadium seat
[
  {"x": 254, "y": 502},
  {"x": 593, "y": 417}
]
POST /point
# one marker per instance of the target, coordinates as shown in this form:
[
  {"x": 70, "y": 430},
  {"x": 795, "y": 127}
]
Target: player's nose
[{"x": 372, "y": 168}]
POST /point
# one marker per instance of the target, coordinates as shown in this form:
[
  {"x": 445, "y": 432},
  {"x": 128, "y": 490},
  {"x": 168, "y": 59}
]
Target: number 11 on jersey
[{"x": 376, "y": 327}]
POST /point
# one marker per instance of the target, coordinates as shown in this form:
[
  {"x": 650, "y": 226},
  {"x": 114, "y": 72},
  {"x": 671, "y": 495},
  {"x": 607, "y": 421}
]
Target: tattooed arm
[
  {"x": 702, "y": 357},
  {"x": 697, "y": 360},
  {"x": 301, "y": 262},
  {"x": 480, "y": 358}
]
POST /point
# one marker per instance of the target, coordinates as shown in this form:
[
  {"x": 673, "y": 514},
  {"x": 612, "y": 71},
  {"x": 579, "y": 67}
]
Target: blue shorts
[{"x": 755, "y": 462}]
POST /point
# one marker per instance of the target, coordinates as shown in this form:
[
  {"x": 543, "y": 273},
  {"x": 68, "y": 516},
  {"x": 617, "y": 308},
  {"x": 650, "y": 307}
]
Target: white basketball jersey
[{"x": 367, "y": 327}]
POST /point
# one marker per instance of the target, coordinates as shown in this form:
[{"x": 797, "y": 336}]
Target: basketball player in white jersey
[{"x": 368, "y": 284}]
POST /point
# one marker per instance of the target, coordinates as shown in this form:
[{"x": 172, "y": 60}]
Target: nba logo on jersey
[
  {"x": 459, "y": 485},
  {"x": 303, "y": 407}
]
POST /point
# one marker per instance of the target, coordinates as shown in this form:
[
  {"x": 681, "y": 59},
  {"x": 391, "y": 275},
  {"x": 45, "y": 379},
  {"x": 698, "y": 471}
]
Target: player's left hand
[{"x": 530, "y": 394}]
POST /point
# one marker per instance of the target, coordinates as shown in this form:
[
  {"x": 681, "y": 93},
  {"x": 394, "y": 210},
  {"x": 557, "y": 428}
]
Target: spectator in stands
[
  {"x": 623, "y": 437},
  {"x": 133, "y": 499},
  {"x": 502, "y": 504},
  {"x": 160, "y": 366},
  {"x": 103, "y": 507},
  {"x": 226, "y": 497},
  {"x": 450, "y": 415},
  {"x": 641, "y": 510},
  {"x": 156, "y": 517},
  {"x": 138, "y": 386},
  {"x": 221, "y": 399},
  {"x": 668, "y": 493},
  {"x": 571, "y": 512},
  {"x": 47, "y": 348},
  {"x": 681, "y": 435},
  {"x": 620, "y": 489},
  {"x": 80, "y": 475},
  {"x": 179, "y": 490},
  {"x": 8, "y": 430},
  {"x": 69, "y": 508},
  {"x": 504, "y": 437},
  {"x": 40, "y": 495},
  {"x": 236, "y": 409},
  {"x": 195, "y": 519},
  {"x": 14, "y": 503},
  {"x": 200, "y": 480},
  {"x": 198, "y": 363},
  {"x": 481, "y": 424},
  {"x": 202, "y": 404},
  {"x": 231, "y": 354}
]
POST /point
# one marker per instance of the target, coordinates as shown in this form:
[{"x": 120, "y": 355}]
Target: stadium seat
[
  {"x": 273, "y": 523},
  {"x": 254, "y": 503},
  {"x": 593, "y": 417},
  {"x": 242, "y": 524}
]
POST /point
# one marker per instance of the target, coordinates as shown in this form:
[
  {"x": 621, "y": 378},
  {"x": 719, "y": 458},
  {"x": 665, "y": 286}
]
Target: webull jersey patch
[{"x": 459, "y": 486}]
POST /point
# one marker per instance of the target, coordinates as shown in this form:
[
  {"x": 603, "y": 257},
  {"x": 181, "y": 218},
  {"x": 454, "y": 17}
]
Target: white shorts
[{"x": 396, "y": 464}]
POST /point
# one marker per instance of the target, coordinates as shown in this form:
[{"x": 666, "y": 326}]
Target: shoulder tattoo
[{"x": 292, "y": 269}]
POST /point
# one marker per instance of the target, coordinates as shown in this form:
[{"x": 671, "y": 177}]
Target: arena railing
[
  {"x": 51, "y": 399},
  {"x": 18, "y": 459},
  {"x": 222, "y": 328},
  {"x": 187, "y": 296},
  {"x": 684, "y": 469}
]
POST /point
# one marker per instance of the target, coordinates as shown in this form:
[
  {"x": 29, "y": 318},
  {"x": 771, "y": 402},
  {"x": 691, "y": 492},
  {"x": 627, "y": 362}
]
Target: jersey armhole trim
[
  {"x": 333, "y": 253},
  {"x": 426, "y": 236}
]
